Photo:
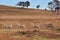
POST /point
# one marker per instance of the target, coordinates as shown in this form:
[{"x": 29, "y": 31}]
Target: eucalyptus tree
[
  {"x": 23, "y": 4},
  {"x": 54, "y": 5},
  {"x": 27, "y": 3}
]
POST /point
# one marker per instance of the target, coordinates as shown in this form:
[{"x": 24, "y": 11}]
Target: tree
[
  {"x": 27, "y": 3},
  {"x": 54, "y": 5},
  {"x": 24, "y": 4},
  {"x": 21, "y": 4},
  {"x": 57, "y": 5},
  {"x": 50, "y": 5},
  {"x": 37, "y": 6}
]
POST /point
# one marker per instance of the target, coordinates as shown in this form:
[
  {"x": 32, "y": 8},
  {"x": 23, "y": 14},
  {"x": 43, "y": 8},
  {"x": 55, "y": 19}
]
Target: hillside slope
[{"x": 15, "y": 15}]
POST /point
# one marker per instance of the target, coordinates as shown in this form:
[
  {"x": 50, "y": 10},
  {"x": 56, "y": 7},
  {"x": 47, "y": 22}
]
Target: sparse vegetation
[{"x": 39, "y": 31}]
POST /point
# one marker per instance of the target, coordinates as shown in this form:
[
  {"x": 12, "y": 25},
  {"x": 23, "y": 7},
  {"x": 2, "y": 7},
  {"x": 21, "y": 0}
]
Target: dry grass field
[{"x": 14, "y": 15}]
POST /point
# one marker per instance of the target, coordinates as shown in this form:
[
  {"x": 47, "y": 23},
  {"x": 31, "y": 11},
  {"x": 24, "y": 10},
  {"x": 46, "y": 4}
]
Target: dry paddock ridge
[{"x": 16, "y": 24}]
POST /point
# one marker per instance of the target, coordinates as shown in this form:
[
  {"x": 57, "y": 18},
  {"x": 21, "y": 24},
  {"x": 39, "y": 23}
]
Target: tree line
[
  {"x": 54, "y": 4},
  {"x": 25, "y": 4}
]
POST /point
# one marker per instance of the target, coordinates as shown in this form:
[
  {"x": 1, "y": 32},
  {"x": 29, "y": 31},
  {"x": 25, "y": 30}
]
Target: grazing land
[{"x": 16, "y": 24}]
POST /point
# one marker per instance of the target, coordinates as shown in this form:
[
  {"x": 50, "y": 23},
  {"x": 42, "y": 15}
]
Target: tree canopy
[
  {"x": 23, "y": 4},
  {"x": 54, "y": 4}
]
